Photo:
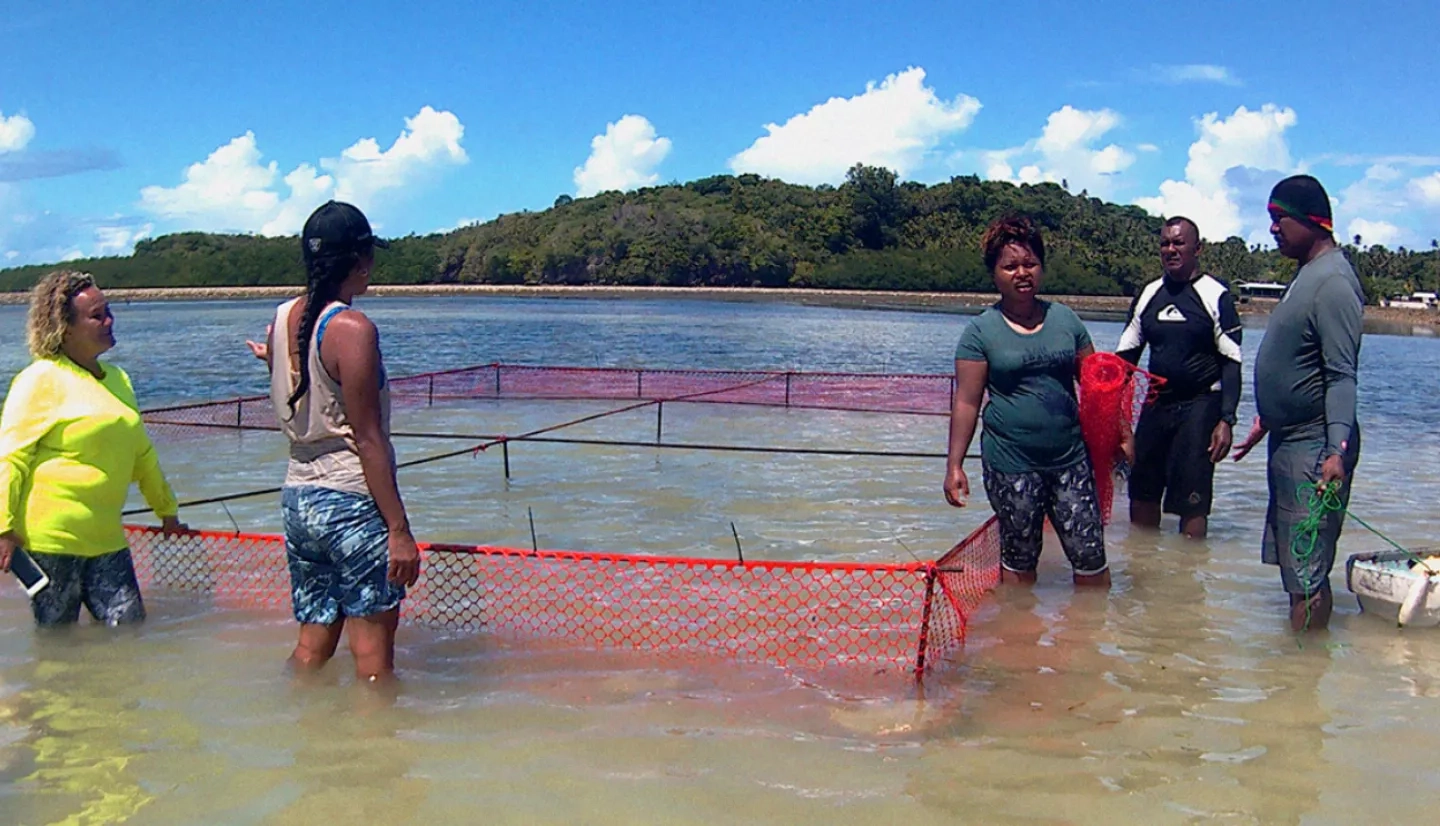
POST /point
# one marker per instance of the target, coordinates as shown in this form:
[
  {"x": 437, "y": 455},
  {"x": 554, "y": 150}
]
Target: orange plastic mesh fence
[{"x": 903, "y": 617}]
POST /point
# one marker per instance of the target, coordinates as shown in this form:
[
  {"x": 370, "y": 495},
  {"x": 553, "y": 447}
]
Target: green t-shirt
[{"x": 1031, "y": 420}]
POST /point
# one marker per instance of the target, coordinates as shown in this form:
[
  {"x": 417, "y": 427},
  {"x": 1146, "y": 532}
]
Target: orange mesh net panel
[
  {"x": 907, "y": 617},
  {"x": 962, "y": 578},
  {"x": 1109, "y": 386},
  {"x": 857, "y": 392}
]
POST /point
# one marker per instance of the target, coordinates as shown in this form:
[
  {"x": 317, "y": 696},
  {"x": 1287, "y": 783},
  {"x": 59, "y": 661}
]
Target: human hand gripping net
[{"x": 1109, "y": 388}]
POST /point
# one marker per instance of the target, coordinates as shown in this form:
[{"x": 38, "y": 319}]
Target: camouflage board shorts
[
  {"x": 338, "y": 551},
  {"x": 104, "y": 584}
]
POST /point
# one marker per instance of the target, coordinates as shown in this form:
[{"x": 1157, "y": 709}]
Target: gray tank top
[{"x": 322, "y": 442}]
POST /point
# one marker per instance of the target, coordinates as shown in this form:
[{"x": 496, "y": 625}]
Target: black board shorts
[{"x": 1172, "y": 455}]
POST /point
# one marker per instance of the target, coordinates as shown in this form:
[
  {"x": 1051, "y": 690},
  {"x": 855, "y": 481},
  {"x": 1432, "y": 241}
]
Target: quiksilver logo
[{"x": 1170, "y": 313}]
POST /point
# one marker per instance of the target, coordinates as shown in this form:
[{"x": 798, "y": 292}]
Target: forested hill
[{"x": 872, "y": 232}]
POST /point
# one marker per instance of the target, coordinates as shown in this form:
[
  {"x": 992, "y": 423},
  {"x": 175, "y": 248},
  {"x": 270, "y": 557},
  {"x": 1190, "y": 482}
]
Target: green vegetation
[{"x": 872, "y": 232}]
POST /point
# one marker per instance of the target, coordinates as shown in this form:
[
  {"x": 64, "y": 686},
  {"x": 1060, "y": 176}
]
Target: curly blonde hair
[{"x": 52, "y": 308}]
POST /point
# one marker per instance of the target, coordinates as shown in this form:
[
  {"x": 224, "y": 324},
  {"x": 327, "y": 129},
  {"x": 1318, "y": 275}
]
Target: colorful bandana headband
[{"x": 1322, "y": 221}]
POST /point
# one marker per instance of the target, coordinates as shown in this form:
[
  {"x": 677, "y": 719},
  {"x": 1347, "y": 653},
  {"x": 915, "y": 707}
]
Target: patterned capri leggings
[{"x": 1067, "y": 496}]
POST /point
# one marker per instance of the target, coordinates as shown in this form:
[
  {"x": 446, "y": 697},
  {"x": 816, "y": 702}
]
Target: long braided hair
[{"x": 323, "y": 276}]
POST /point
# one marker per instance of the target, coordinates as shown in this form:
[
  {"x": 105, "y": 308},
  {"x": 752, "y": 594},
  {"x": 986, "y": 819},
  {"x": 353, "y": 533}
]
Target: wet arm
[
  {"x": 970, "y": 377},
  {"x": 29, "y": 413},
  {"x": 1228, "y": 338},
  {"x": 147, "y": 474},
  {"x": 354, "y": 343},
  {"x": 1337, "y": 323},
  {"x": 1132, "y": 338},
  {"x": 151, "y": 479}
]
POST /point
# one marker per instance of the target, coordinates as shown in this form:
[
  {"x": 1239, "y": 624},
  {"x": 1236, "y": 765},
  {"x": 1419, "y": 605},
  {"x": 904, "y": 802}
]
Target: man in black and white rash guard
[{"x": 1189, "y": 321}]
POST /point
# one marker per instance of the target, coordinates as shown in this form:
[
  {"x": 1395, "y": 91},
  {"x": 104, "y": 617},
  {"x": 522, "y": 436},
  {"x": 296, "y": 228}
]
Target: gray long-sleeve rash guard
[{"x": 1305, "y": 370}]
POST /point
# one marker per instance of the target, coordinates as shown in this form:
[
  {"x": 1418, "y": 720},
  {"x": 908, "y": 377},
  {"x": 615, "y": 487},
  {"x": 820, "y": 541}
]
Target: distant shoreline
[{"x": 873, "y": 299}]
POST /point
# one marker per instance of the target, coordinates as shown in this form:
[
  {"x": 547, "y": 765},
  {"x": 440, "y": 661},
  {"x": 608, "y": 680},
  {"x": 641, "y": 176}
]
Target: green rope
[
  {"x": 1305, "y": 536},
  {"x": 1319, "y": 504}
]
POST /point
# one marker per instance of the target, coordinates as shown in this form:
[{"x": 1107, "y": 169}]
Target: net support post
[
  {"x": 930, "y": 575},
  {"x": 659, "y": 420},
  {"x": 505, "y": 455},
  {"x": 430, "y": 397}
]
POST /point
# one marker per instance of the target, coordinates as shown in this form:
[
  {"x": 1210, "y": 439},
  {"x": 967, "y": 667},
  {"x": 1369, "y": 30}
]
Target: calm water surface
[{"x": 1177, "y": 698}]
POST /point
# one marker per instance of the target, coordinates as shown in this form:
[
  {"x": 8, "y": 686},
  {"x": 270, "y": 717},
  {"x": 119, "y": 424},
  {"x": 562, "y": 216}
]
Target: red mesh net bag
[{"x": 1108, "y": 390}]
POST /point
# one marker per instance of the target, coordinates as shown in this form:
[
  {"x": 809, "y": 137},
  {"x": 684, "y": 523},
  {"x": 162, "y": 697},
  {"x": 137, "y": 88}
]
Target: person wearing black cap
[
  {"x": 347, "y": 537},
  {"x": 1305, "y": 396}
]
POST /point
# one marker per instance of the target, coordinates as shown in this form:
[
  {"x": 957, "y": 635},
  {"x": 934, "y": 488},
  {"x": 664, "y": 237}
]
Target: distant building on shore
[
  {"x": 1413, "y": 301},
  {"x": 1264, "y": 290}
]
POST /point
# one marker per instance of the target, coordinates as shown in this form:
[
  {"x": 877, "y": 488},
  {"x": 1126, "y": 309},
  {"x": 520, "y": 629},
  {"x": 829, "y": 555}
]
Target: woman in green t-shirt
[{"x": 1025, "y": 353}]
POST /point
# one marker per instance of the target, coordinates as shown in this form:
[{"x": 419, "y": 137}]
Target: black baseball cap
[{"x": 337, "y": 228}]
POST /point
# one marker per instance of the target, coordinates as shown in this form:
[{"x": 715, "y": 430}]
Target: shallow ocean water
[{"x": 1177, "y": 698}]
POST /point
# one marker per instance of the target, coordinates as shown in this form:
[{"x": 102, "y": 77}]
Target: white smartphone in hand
[{"x": 31, "y": 576}]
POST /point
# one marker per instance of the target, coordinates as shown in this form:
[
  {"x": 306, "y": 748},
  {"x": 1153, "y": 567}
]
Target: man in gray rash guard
[{"x": 1305, "y": 395}]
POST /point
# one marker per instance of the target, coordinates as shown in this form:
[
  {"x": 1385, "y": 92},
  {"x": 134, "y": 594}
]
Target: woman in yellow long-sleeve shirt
[{"x": 71, "y": 442}]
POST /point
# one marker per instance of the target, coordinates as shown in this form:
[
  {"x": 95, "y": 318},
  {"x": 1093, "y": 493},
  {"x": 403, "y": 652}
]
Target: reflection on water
[{"x": 1177, "y": 698}]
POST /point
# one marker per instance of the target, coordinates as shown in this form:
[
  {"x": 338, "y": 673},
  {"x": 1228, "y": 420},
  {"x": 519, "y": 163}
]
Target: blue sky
[{"x": 124, "y": 120}]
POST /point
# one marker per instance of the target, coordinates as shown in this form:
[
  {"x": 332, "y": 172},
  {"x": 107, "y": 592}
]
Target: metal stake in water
[{"x": 233, "y": 523}]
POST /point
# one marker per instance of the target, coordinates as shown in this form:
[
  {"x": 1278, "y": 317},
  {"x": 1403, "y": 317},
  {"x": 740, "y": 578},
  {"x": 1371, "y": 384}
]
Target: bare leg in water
[
  {"x": 1148, "y": 515},
  {"x": 1017, "y": 577},
  {"x": 1100, "y": 580},
  {"x": 1027, "y": 578},
  {"x": 1311, "y": 614},
  {"x": 372, "y": 643},
  {"x": 316, "y": 646},
  {"x": 1145, "y": 514}
]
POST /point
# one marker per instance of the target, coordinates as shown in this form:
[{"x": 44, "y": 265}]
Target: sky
[{"x": 126, "y": 120}]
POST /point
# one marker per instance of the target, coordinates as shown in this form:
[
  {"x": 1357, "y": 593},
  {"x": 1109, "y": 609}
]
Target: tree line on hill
[{"x": 872, "y": 232}]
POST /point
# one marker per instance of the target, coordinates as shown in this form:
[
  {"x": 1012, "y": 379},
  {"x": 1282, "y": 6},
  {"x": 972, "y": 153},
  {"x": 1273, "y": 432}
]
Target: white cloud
[
  {"x": 1385, "y": 203},
  {"x": 1218, "y": 174},
  {"x": 1194, "y": 73},
  {"x": 233, "y": 189},
  {"x": 119, "y": 240},
  {"x": 72, "y": 255},
  {"x": 1380, "y": 192},
  {"x": 997, "y": 164},
  {"x": 15, "y": 132},
  {"x": 1066, "y": 152},
  {"x": 895, "y": 125},
  {"x": 11, "y": 255},
  {"x": 624, "y": 157},
  {"x": 429, "y": 140},
  {"x": 1147, "y": 147},
  {"x": 230, "y": 189},
  {"x": 1426, "y": 190},
  {"x": 1375, "y": 232}
]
